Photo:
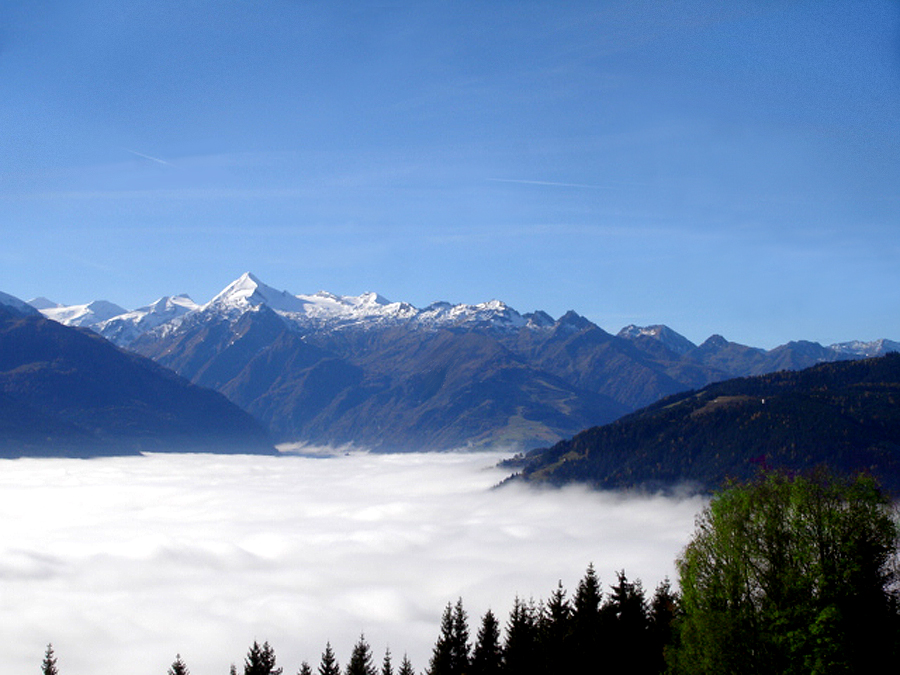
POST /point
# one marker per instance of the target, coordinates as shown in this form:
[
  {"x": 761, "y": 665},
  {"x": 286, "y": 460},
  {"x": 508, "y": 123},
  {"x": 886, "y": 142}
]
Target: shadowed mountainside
[
  {"x": 845, "y": 415},
  {"x": 68, "y": 392}
]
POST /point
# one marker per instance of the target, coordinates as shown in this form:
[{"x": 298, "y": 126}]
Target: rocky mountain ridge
[{"x": 323, "y": 368}]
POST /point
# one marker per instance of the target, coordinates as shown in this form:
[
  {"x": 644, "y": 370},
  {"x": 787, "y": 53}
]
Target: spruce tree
[
  {"x": 460, "y": 642},
  {"x": 261, "y": 660},
  {"x": 178, "y": 667},
  {"x": 48, "y": 667},
  {"x": 628, "y": 626},
  {"x": 361, "y": 659},
  {"x": 555, "y": 629},
  {"x": 304, "y": 669},
  {"x": 487, "y": 657},
  {"x": 329, "y": 664},
  {"x": 406, "y": 667},
  {"x": 387, "y": 667},
  {"x": 664, "y": 610},
  {"x": 520, "y": 652},
  {"x": 587, "y": 626},
  {"x": 442, "y": 655}
]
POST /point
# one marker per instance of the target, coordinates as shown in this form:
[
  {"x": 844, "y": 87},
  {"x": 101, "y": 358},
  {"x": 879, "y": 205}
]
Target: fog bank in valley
[{"x": 123, "y": 562}]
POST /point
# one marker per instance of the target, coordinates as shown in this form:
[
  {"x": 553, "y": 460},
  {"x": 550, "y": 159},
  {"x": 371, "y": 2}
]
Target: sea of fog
[{"x": 122, "y": 563}]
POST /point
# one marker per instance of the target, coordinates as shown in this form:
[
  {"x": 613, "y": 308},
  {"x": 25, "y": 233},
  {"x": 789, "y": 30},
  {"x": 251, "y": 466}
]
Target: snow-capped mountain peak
[
  {"x": 87, "y": 315},
  {"x": 674, "y": 341},
  {"x": 169, "y": 304},
  {"x": 125, "y": 328},
  {"x": 866, "y": 349},
  {"x": 248, "y": 291}
]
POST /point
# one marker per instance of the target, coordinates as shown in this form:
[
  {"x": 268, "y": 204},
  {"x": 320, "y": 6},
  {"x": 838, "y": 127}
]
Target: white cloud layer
[{"x": 121, "y": 563}]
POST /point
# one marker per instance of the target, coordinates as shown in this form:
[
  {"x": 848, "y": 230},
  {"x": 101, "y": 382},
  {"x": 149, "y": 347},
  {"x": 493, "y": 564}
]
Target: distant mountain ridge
[
  {"x": 327, "y": 311},
  {"x": 323, "y": 368}
]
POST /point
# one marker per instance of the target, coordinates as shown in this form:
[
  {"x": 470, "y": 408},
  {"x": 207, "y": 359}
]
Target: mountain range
[{"x": 329, "y": 369}]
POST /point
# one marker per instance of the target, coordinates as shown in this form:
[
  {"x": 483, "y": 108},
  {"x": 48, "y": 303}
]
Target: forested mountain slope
[{"x": 844, "y": 414}]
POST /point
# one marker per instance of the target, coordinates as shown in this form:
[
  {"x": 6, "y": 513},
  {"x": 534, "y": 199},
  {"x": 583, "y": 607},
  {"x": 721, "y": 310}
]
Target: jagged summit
[
  {"x": 336, "y": 369},
  {"x": 867, "y": 349},
  {"x": 668, "y": 337},
  {"x": 125, "y": 328},
  {"x": 325, "y": 311},
  {"x": 248, "y": 291}
]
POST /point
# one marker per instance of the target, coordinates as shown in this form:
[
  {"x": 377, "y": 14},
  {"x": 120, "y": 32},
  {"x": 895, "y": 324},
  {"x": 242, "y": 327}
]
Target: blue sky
[{"x": 728, "y": 167}]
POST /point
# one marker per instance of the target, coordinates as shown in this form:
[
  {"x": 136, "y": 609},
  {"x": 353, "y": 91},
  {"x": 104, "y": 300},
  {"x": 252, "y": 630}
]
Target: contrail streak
[
  {"x": 152, "y": 159},
  {"x": 551, "y": 183}
]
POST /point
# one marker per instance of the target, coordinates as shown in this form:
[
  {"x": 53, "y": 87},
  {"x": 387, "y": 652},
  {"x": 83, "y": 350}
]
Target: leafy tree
[
  {"x": 329, "y": 664},
  {"x": 791, "y": 574},
  {"x": 361, "y": 659},
  {"x": 487, "y": 657},
  {"x": 48, "y": 667},
  {"x": 261, "y": 660},
  {"x": 178, "y": 667},
  {"x": 406, "y": 667}
]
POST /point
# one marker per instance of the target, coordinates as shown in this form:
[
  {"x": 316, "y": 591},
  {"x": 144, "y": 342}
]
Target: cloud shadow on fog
[{"x": 123, "y": 562}]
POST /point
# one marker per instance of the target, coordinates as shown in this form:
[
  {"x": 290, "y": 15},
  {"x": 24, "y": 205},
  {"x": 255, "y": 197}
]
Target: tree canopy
[{"x": 791, "y": 574}]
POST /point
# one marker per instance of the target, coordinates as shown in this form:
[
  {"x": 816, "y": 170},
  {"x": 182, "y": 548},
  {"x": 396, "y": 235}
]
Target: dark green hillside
[{"x": 843, "y": 414}]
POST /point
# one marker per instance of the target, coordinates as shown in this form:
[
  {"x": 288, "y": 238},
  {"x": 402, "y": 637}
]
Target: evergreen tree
[
  {"x": 387, "y": 666},
  {"x": 520, "y": 651},
  {"x": 361, "y": 659},
  {"x": 587, "y": 625},
  {"x": 329, "y": 664},
  {"x": 487, "y": 657},
  {"x": 662, "y": 616},
  {"x": 304, "y": 669},
  {"x": 441, "y": 662},
  {"x": 460, "y": 642},
  {"x": 406, "y": 667},
  {"x": 48, "y": 667},
  {"x": 232, "y": 670},
  {"x": 178, "y": 667},
  {"x": 261, "y": 660},
  {"x": 555, "y": 628},
  {"x": 627, "y": 627}
]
